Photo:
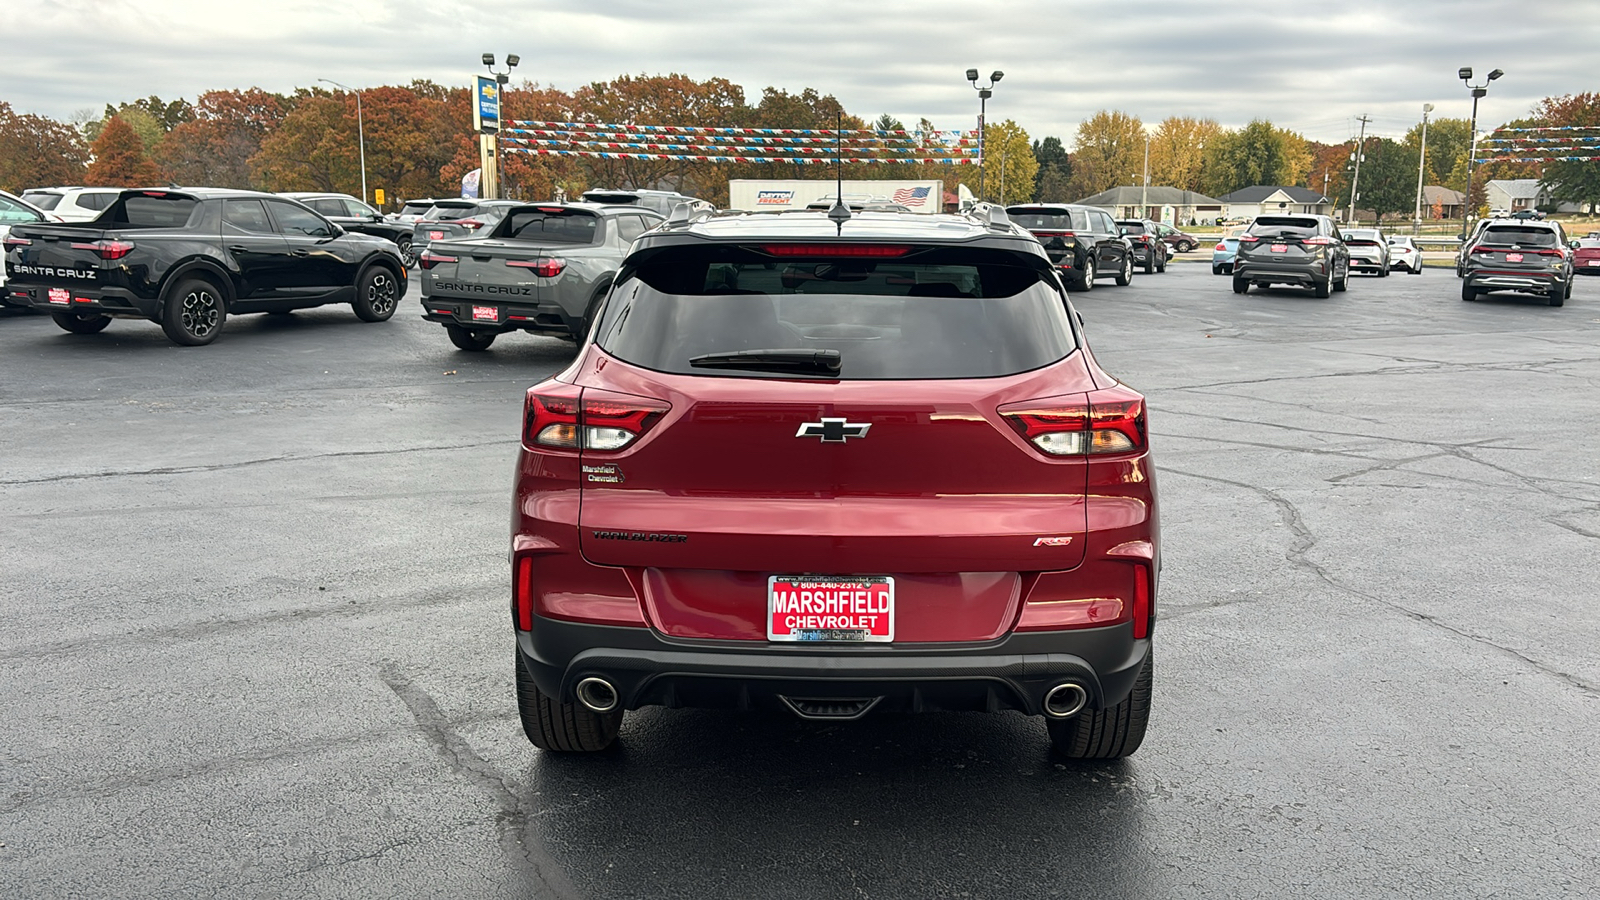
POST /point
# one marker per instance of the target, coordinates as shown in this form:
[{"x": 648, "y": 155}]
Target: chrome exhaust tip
[
  {"x": 597, "y": 694},
  {"x": 1065, "y": 700}
]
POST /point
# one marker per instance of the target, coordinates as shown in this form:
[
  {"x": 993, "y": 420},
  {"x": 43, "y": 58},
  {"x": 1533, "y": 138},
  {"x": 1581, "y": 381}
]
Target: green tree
[
  {"x": 1107, "y": 150},
  {"x": 1259, "y": 153},
  {"x": 1051, "y": 183},
  {"x": 1388, "y": 179},
  {"x": 36, "y": 151},
  {"x": 119, "y": 158}
]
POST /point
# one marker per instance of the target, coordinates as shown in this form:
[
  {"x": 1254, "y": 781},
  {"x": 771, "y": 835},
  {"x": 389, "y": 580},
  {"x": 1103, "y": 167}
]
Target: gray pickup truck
[{"x": 544, "y": 269}]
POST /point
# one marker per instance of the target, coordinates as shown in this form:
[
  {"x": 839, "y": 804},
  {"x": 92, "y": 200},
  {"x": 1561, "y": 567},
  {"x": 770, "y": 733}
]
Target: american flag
[{"x": 911, "y": 196}]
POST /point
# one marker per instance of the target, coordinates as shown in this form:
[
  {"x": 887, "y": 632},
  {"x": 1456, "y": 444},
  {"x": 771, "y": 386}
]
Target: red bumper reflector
[{"x": 522, "y": 593}]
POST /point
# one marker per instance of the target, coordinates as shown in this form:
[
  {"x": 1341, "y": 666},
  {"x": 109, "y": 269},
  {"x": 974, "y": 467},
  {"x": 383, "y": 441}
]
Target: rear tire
[
  {"x": 1085, "y": 281},
  {"x": 1324, "y": 289},
  {"x": 1342, "y": 284},
  {"x": 1107, "y": 733},
  {"x": 1467, "y": 293},
  {"x": 1416, "y": 269},
  {"x": 564, "y": 727},
  {"x": 92, "y": 323},
  {"x": 377, "y": 295},
  {"x": 1383, "y": 271},
  {"x": 1216, "y": 270},
  {"x": 1560, "y": 295},
  {"x": 1125, "y": 277},
  {"x": 194, "y": 313},
  {"x": 1150, "y": 263},
  {"x": 471, "y": 341},
  {"x": 1240, "y": 285}
]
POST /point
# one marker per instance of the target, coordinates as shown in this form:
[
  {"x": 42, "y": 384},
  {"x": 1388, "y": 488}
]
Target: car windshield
[
  {"x": 1500, "y": 235},
  {"x": 938, "y": 313},
  {"x": 1284, "y": 226},
  {"x": 1048, "y": 219},
  {"x": 1131, "y": 227},
  {"x": 42, "y": 199},
  {"x": 553, "y": 224},
  {"x": 415, "y": 209}
]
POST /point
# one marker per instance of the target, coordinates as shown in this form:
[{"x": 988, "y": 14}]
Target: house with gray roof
[
  {"x": 1513, "y": 194},
  {"x": 1159, "y": 203},
  {"x": 1275, "y": 199}
]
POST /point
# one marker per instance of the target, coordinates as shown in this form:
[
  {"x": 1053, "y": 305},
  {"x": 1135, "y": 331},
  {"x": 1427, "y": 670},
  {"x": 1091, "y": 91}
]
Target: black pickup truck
[{"x": 186, "y": 259}]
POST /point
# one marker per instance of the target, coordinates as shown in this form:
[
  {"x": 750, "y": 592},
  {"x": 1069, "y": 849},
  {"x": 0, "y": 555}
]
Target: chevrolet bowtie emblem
[{"x": 833, "y": 430}]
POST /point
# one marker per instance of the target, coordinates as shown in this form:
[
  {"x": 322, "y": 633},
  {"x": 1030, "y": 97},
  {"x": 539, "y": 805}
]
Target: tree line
[{"x": 419, "y": 144}]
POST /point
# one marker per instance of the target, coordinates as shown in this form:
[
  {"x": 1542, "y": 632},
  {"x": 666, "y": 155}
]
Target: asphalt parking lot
[{"x": 257, "y": 642}]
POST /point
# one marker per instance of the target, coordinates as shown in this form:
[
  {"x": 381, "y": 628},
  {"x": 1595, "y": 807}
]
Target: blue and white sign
[
  {"x": 470, "y": 183},
  {"x": 487, "y": 108}
]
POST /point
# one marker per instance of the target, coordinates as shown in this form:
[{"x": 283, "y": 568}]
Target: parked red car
[
  {"x": 836, "y": 469},
  {"x": 1586, "y": 257}
]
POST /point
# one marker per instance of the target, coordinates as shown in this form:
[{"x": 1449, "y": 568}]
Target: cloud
[{"x": 1312, "y": 67}]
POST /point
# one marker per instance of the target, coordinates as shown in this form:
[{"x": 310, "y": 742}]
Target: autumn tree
[
  {"x": 1177, "y": 151},
  {"x": 312, "y": 149},
  {"x": 36, "y": 151},
  {"x": 1447, "y": 145},
  {"x": 119, "y": 158},
  {"x": 671, "y": 100},
  {"x": 1008, "y": 166},
  {"x": 1257, "y": 154},
  {"x": 226, "y": 129},
  {"x": 1107, "y": 150},
  {"x": 1575, "y": 181}
]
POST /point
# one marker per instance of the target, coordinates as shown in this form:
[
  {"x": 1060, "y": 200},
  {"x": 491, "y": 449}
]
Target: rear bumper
[
  {"x": 543, "y": 317},
  {"x": 1014, "y": 672},
  {"x": 1529, "y": 282},
  {"x": 1255, "y": 273},
  {"x": 1374, "y": 265},
  {"x": 110, "y": 301}
]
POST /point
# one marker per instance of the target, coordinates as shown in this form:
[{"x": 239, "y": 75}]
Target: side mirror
[{"x": 1575, "y": 244}]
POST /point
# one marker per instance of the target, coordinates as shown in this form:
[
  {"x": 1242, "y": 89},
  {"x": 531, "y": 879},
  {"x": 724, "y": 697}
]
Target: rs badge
[{"x": 1052, "y": 541}]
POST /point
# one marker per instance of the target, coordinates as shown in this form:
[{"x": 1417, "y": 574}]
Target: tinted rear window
[
  {"x": 43, "y": 201},
  {"x": 1284, "y": 226},
  {"x": 567, "y": 226},
  {"x": 1522, "y": 237},
  {"x": 415, "y": 209},
  {"x": 934, "y": 314},
  {"x": 1131, "y": 227},
  {"x": 1050, "y": 220},
  {"x": 142, "y": 211},
  {"x": 444, "y": 213}
]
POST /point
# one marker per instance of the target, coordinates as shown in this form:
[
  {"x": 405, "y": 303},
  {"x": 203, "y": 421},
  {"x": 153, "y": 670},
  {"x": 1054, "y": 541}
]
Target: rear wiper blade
[{"x": 803, "y": 360}]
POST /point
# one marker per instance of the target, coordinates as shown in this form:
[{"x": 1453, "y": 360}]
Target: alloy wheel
[
  {"x": 381, "y": 294},
  {"x": 201, "y": 313}
]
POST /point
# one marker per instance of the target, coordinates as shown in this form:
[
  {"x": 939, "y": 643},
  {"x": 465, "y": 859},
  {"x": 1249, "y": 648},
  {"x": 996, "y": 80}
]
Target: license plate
[
  {"x": 1280, "y": 248},
  {"x": 486, "y": 314},
  {"x": 1593, "y": 262},
  {"x": 848, "y": 608},
  {"x": 61, "y": 296},
  {"x": 435, "y": 235},
  {"x": 1513, "y": 257}
]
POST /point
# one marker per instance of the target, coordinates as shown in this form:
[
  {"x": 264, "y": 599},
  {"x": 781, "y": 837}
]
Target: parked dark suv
[
  {"x": 835, "y": 470},
  {"x": 354, "y": 216},
  {"x": 1527, "y": 257},
  {"x": 1148, "y": 248},
  {"x": 1303, "y": 251},
  {"x": 1082, "y": 241}
]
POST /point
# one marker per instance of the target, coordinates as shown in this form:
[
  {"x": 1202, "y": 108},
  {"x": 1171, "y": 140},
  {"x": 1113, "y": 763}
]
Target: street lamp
[
  {"x": 361, "y": 135},
  {"x": 511, "y": 63},
  {"x": 1478, "y": 90},
  {"x": 984, "y": 93},
  {"x": 1422, "y": 157}
]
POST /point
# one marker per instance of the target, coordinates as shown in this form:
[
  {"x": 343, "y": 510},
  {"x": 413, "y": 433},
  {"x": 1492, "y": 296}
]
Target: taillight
[
  {"x": 570, "y": 418},
  {"x": 1248, "y": 239},
  {"x": 469, "y": 224},
  {"x": 1222, "y": 247},
  {"x": 107, "y": 249},
  {"x": 870, "y": 250},
  {"x": 544, "y": 268},
  {"x": 1318, "y": 241},
  {"x": 11, "y": 242},
  {"x": 429, "y": 259},
  {"x": 1481, "y": 250},
  {"x": 1100, "y": 422}
]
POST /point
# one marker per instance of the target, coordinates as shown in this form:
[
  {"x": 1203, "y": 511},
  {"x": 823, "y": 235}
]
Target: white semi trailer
[{"x": 756, "y": 194}]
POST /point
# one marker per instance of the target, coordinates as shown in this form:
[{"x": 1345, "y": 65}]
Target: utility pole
[
  {"x": 1144, "y": 192},
  {"x": 1361, "y": 146},
  {"x": 1422, "y": 159}
]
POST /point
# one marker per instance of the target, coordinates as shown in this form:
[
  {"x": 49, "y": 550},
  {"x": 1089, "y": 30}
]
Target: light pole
[
  {"x": 489, "y": 181},
  {"x": 1144, "y": 192},
  {"x": 1478, "y": 90},
  {"x": 361, "y": 135},
  {"x": 984, "y": 93},
  {"x": 1422, "y": 157}
]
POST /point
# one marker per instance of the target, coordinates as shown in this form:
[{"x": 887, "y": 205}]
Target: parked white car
[
  {"x": 14, "y": 209},
  {"x": 72, "y": 204},
  {"x": 1403, "y": 254}
]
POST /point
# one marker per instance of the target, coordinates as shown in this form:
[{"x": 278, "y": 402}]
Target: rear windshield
[
  {"x": 1131, "y": 227},
  {"x": 43, "y": 200},
  {"x": 440, "y": 213},
  {"x": 941, "y": 313},
  {"x": 1284, "y": 226},
  {"x": 1521, "y": 237},
  {"x": 1051, "y": 220},
  {"x": 562, "y": 226},
  {"x": 145, "y": 211},
  {"x": 415, "y": 209}
]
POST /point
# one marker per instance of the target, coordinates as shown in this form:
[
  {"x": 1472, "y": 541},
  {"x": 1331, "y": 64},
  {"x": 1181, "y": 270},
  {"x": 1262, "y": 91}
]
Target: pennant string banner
[{"x": 800, "y": 160}]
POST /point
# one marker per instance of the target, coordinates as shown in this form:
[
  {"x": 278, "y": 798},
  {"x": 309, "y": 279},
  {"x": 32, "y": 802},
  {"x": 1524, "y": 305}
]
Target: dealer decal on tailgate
[{"x": 830, "y": 608}]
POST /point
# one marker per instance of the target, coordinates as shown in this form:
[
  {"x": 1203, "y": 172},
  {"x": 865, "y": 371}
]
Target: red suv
[{"x": 835, "y": 467}]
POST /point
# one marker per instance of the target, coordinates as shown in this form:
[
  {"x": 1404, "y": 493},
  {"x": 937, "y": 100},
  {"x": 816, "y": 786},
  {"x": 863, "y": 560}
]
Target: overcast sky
[{"x": 1311, "y": 65}]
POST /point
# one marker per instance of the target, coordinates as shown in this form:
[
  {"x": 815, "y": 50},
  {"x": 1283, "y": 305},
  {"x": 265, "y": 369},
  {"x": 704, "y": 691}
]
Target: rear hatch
[
  {"x": 1055, "y": 227},
  {"x": 1518, "y": 249},
  {"x": 898, "y": 464},
  {"x": 1281, "y": 241}
]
